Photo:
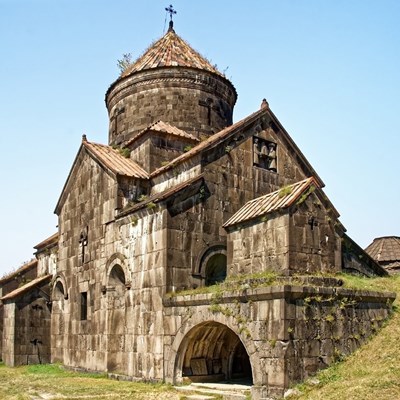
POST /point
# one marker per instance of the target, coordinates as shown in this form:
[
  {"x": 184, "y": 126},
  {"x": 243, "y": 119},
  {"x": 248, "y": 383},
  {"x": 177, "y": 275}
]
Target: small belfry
[{"x": 180, "y": 199}]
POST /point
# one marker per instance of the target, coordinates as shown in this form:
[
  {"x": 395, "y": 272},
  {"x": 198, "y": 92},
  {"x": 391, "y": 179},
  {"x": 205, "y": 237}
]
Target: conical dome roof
[
  {"x": 170, "y": 51},
  {"x": 385, "y": 249},
  {"x": 173, "y": 83}
]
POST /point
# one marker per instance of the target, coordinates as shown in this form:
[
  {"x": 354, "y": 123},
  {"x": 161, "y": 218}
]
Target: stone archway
[
  {"x": 60, "y": 309},
  {"x": 116, "y": 354},
  {"x": 212, "y": 352}
]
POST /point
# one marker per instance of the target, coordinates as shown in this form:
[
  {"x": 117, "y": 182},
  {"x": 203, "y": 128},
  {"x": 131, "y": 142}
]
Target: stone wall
[
  {"x": 8, "y": 334},
  {"x": 230, "y": 180},
  {"x": 15, "y": 280},
  {"x": 261, "y": 245},
  {"x": 153, "y": 150},
  {"x": 314, "y": 242},
  {"x": 26, "y": 336},
  {"x": 301, "y": 239},
  {"x": 180, "y": 96},
  {"x": 288, "y": 332},
  {"x": 88, "y": 208},
  {"x": 142, "y": 241}
]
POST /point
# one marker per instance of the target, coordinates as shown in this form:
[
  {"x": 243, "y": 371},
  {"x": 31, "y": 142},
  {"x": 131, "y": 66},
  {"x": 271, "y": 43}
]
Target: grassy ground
[
  {"x": 373, "y": 371},
  {"x": 52, "y": 382}
]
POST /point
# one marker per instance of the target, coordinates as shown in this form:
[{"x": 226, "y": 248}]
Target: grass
[
  {"x": 373, "y": 371},
  {"x": 38, "y": 381},
  {"x": 239, "y": 282}
]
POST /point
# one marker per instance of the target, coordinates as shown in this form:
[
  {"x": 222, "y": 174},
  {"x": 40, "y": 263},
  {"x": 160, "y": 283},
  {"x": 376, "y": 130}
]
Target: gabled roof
[
  {"x": 108, "y": 158},
  {"x": 24, "y": 268},
  {"x": 114, "y": 161},
  {"x": 217, "y": 138},
  {"x": 270, "y": 202},
  {"x": 385, "y": 249},
  {"x": 50, "y": 241},
  {"x": 213, "y": 140},
  {"x": 163, "y": 127},
  {"x": 170, "y": 51},
  {"x": 23, "y": 289}
]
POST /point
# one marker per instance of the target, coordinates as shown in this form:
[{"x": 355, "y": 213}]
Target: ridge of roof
[
  {"x": 25, "y": 267},
  {"x": 25, "y": 288},
  {"x": 209, "y": 142},
  {"x": 104, "y": 155},
  {"x": 274, "y": 201},
  {"x": 378, "y": 269},
  {"x": 170, "y": 51},
  {"x": 163, "y": 127},
  {"x": 114, "y": 161},
  {"x": 48, "y": 241},
  {"x": 224, "y": 133}
]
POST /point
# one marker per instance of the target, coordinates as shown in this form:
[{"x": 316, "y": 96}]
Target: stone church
[{"x": 190, "y": 248}]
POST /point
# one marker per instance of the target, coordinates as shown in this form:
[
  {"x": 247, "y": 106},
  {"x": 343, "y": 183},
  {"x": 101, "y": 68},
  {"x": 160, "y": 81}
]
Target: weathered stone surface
[{"x": 128, "y": 243}]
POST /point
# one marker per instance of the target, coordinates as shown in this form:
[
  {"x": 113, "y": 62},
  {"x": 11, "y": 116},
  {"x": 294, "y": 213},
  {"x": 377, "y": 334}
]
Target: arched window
[
  {"x": 213, "y": 266},
  {"x": 117, "y": 276},
  {"x": 59, "y": 292},
  {"x": 215, "y": 269}
]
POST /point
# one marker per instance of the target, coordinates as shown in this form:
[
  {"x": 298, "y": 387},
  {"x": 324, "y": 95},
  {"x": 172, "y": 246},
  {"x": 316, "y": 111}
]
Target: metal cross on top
[{"x": 170, "y": 10}]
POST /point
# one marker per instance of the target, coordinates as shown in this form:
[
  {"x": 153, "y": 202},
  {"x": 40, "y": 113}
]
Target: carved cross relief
[{"x": 83, "y": 242}]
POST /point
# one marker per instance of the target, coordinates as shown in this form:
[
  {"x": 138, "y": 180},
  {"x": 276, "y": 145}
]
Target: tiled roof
[
  {"x": 385, "y": 249},
  {"x": 163, "y": 127},
  {"x": 26, "y": 267},
  {"x": 274, "y": 201},
  {"x": 170, "y": 51},
  {"x": 17, "y": 292},
  {"x": 114, "y": 161},
  {"x": 53, "y": 239}
]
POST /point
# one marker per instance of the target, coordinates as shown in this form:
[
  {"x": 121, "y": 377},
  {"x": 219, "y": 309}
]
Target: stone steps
[{"x": 208, "y": 391}]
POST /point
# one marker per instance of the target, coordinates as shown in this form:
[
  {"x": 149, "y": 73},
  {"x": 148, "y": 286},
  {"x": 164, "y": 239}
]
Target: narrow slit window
[{"x": 84, "y": 306}]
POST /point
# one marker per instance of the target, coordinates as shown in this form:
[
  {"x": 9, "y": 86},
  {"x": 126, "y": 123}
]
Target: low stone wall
[{"x": 288, "y": 332}]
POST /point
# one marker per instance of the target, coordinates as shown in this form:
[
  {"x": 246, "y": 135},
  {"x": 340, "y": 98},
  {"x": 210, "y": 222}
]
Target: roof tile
[
  {"x": 163, "y": 127},
  {"x": 170, "y": 51},
  {"x": 270, "y": 202},
  {"x": 114, "y": 161},
  {"x": 385, "y": 249},
  {"x": 25, "y": 288}
]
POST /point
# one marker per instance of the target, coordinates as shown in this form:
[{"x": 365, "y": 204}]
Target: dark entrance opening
[
  {"x": 216, "y": 269},
  {"x": 212, "y": 352}
]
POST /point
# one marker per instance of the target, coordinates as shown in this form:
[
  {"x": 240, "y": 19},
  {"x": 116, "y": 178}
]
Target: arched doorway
[
  {"x": 116, "y": 320},
  {"x": 212, "y": 352}
]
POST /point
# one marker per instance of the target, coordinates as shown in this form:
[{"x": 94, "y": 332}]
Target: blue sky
[{"x": 329, "y": 70}]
